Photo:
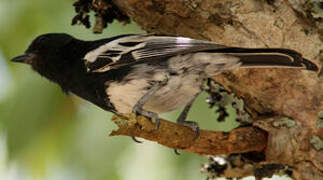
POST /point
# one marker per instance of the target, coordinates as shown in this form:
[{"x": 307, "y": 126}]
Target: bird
[{"x": 145, "y": 74}]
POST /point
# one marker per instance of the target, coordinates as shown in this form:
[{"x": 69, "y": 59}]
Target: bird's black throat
[{"x": 66, "y": 68}]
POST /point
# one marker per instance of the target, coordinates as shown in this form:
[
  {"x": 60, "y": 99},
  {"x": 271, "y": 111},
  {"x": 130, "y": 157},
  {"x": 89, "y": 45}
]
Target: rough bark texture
[
  {"x": 173, "y": 135},
  {"x": 293, "y": 24}
]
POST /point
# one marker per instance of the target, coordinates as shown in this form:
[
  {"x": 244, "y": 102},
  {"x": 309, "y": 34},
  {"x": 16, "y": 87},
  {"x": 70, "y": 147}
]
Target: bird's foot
[
  {"x": 193, "y": 125},
  {"x": 153, "y": 116}
]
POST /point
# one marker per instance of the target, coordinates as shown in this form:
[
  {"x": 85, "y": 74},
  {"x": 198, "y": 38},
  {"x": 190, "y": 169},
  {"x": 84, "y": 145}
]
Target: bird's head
[
  {"x": 51, "y": 55},
  {"x": 44, "y": 48}
]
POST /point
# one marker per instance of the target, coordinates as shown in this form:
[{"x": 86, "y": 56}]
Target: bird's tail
[{"x": 270, "y": 58}]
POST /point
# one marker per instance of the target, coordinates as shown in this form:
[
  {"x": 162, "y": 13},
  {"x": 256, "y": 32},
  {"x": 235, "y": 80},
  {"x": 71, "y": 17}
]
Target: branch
[{"x": 173, "y": 135}]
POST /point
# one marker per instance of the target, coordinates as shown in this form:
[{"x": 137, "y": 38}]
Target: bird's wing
[{"x": 135, "y": 49}]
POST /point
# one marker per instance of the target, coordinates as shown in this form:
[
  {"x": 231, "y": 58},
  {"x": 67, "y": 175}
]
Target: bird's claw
[
  {"x": 194, "y": 126},
  {"x": 135, "y": 139},
  {"x": 176, "y": 152},
  {"x": 153, "y": 116}
]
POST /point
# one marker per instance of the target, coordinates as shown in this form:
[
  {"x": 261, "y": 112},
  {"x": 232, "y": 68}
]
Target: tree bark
[
  {"x": 173, "y": 135},
  {"x": 296, "y": 94}
]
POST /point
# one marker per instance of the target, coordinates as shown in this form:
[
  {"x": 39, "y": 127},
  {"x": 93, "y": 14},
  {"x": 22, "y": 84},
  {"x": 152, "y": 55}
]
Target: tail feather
[{"x": 270, "y": 58}]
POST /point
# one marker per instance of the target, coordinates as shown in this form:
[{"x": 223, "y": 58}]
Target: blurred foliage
[{"x": 53, "y": 136}]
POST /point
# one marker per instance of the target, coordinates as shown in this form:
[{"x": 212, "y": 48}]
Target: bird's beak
[{"x": 25, "y": 58}]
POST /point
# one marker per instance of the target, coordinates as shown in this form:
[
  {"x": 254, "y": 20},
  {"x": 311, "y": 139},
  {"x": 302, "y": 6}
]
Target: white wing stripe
[{"x": 114, "y": 45}]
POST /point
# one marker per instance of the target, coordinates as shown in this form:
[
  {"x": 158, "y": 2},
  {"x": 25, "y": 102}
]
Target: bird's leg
[
  {"x": 191, "y": 124},
  {"x": 138, "y": 108}
]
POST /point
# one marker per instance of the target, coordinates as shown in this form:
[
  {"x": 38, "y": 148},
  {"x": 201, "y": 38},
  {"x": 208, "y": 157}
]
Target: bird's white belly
[{"x": 175, "y": 94}]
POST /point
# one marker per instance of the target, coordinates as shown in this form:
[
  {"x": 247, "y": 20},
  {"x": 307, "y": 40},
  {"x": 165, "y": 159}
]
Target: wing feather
[{"x": 142, "y": 48}]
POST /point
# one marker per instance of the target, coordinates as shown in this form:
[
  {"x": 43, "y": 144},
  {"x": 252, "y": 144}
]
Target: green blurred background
[{"x": 45, "y": 134}]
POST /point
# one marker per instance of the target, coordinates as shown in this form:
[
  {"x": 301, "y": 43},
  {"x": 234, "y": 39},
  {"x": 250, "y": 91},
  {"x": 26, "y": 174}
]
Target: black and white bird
[{"x": 145, "y": 74}]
